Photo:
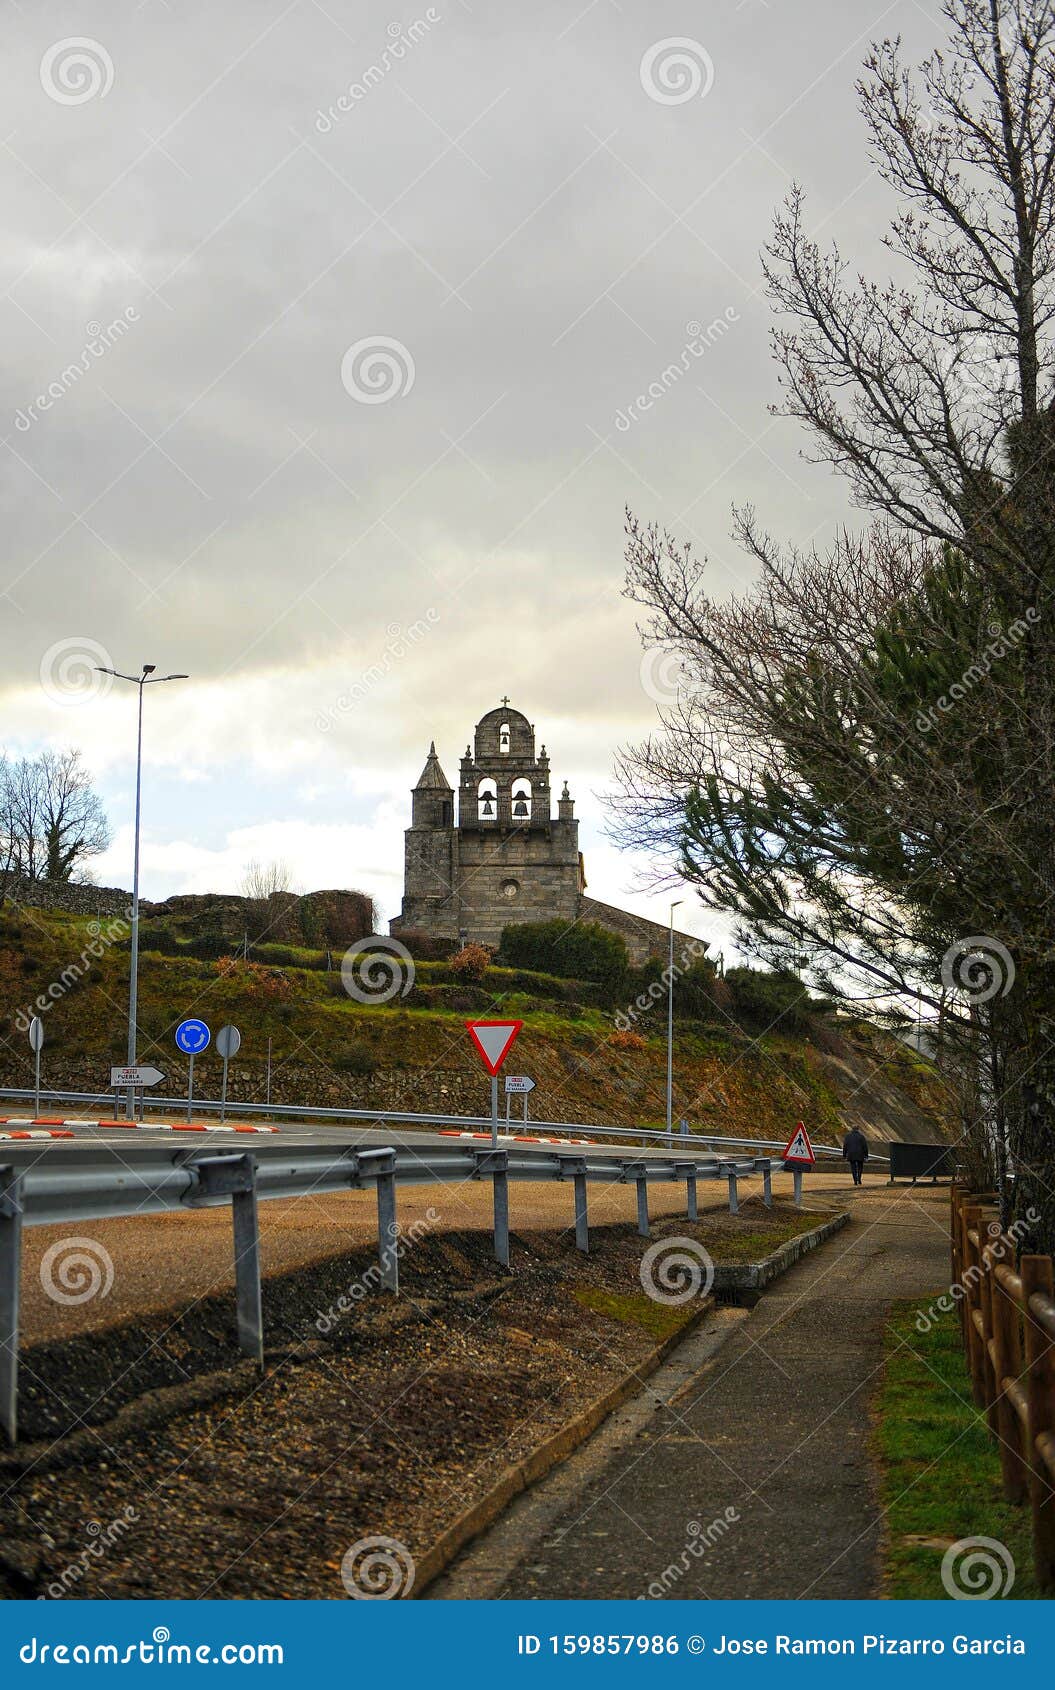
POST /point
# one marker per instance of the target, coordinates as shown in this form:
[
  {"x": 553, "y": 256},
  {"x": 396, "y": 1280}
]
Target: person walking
[{"x": 855, "y": 1151}]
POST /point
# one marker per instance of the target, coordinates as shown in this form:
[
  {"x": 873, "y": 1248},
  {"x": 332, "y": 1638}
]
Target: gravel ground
[{"x": 192, "y": 1477}]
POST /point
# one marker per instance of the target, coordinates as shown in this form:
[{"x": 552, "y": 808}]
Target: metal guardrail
[
  {"x": 95, "y": 1182},
  {"x": 399, "y": 1118}
]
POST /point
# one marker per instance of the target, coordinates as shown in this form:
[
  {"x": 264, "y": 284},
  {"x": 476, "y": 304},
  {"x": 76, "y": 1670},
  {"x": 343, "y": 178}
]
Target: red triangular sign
[
  {"x": 494, "y": 1040},
  {"x": 799, "y": 1148}
]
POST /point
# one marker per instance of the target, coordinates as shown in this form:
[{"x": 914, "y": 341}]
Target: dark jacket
[{"x": 855, "y": 1146}]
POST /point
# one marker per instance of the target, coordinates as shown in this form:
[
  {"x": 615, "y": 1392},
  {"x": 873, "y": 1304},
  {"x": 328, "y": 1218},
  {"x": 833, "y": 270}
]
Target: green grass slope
[{"x": 413, "y": 1052}]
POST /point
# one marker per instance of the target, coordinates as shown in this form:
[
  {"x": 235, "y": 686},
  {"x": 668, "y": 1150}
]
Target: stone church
[{"x": 505, "y": 857}]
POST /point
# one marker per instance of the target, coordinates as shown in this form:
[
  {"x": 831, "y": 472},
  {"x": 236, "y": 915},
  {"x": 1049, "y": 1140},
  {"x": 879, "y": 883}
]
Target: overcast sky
[{"x": 357, "y": 339}]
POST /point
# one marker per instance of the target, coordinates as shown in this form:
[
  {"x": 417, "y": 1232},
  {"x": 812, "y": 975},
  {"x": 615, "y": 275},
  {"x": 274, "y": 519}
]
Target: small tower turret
[{"x": 433, "y": 798}]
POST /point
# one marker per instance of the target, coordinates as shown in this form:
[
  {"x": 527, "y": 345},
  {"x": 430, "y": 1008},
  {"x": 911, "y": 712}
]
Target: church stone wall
[
  {"x": 643, "y": 938},
  {"x": 544, "y": 864}
]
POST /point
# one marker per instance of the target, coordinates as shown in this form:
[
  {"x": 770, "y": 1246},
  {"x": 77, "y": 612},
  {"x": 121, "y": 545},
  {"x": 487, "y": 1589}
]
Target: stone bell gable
[{"x": 509, "y": 854}]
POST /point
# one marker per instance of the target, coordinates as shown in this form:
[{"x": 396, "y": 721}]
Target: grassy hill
[{"x": 731, "y": 1076}]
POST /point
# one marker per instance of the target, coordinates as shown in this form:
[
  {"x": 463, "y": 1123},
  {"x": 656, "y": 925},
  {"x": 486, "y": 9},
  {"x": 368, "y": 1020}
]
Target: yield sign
[
  {"x": 799, "y": 1148},
  {"x": 494, "y": 1041}
]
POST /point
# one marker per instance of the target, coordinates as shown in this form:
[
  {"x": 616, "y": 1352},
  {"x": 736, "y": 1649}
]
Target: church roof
[{"x": 432, "y": 776}]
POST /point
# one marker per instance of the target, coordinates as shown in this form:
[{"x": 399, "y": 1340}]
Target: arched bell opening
[
  {"x": 487, "y": 800},
  {"x": 521, "y": 800}
]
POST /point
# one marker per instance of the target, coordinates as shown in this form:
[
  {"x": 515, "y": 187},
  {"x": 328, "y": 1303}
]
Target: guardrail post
[
  {"x": 388, "y": 1226},
  {"x": 1036, "y": 1274},
  {"x": 734, "y": 1200},
  {"x": 10, "y": 1288},
  {"x": 501, "y": 1206},
  {"x": 767, "y": 1184},
  {"x": 582, "y": 1219},
  {"x": 496, "y": 1163},
  {"x": 247, "y": 1267},
  {"x": 235, "y": 1177},
  {"x": 796, "y": 1180},
  {"x": 687, "y": 1172}
]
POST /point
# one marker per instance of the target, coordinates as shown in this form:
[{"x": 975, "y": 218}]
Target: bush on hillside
[
  {"x": 471, "y": 962},
  {"x": 624, "y": 1038},
  {"x": 764, "y": 999},
  {"x": 355, "y": 1058},
  {"x": 259, "y": 981},
  {"x": 583, "y": 950}
]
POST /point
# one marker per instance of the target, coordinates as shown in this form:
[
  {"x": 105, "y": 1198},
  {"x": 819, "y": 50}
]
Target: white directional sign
[
  {"x": 135, "y": 1076},
  {"x": 799, "y": 1148},
  {"x": 493, "y": 1040},
  {"x": 518, "y": 1083},
  {"x": 36, "y": 1033}
]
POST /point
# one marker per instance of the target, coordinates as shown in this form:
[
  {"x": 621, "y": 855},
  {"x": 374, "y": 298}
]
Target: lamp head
[{"x": 148, "y": 668}]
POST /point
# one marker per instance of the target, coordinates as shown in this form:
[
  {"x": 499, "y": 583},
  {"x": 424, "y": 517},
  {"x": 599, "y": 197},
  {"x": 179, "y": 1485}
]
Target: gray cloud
[{"x": 506, "y": 201}]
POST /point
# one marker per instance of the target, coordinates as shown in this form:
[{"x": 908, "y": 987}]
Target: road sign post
[
  {"x": 228, "y": 1043},
  {"x": 519, "y": 1085},
  {"x": 493, "y": 1040},
  {"x": 799, "y": 1154},
  {"x": 36, "y": 1039},
  {"x": 192, "y": 1037}
]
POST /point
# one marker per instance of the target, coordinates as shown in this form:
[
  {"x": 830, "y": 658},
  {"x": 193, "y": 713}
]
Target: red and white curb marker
[
  {"x": 126, "y": 1126},
  {"x": 512, "y": 1138},
  {"x": 43, "y": 1133}
]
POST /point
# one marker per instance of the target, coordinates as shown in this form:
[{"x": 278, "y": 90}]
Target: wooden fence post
[
  {"x": 972, "y": 1219},
  {"x": 989, "y": 1236},
  {"x": 963, "y": 1252},
  {"x": 1037, "y": 1278},
  {"x": 1014, "y": 1464}
]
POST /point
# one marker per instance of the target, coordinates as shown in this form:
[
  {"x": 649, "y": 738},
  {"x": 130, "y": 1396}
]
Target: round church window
[{"x": 510, "y": 888}]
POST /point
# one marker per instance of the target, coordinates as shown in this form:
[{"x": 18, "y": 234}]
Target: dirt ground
[
  {"x": 154, "y": 1465},
  {"x": 170, "y": 1260}
]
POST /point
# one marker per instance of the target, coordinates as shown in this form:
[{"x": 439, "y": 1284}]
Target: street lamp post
[
  {"x": 147, "y": 678},
  {"x": 670, "y": 1020}
]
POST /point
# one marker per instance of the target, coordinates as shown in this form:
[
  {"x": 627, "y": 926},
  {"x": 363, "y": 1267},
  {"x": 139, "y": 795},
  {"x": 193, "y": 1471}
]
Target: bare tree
[
  {"x": 860, "y": 761},
  {"x": 51, "y": 819},
  {"x": 262, "y": 881},
  {"x": 73, "y": 823}
]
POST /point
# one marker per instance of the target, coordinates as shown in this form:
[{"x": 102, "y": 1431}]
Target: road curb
[
  {"x": 520, "y": 1477},
  {"x": 755, "y": 1276}
]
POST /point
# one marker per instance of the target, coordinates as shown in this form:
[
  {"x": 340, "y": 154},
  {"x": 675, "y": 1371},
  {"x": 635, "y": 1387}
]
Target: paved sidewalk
[{"x": 775, "y": 1427}]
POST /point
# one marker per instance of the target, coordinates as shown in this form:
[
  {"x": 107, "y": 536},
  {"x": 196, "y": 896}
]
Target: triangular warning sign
[
  {"x": 494, "y": 1040},
  {"x": 799, "y": 1148}
]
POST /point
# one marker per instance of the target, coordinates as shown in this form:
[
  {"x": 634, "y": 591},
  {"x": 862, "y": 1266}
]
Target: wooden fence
[{"x": 1008, "y": 1317}]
